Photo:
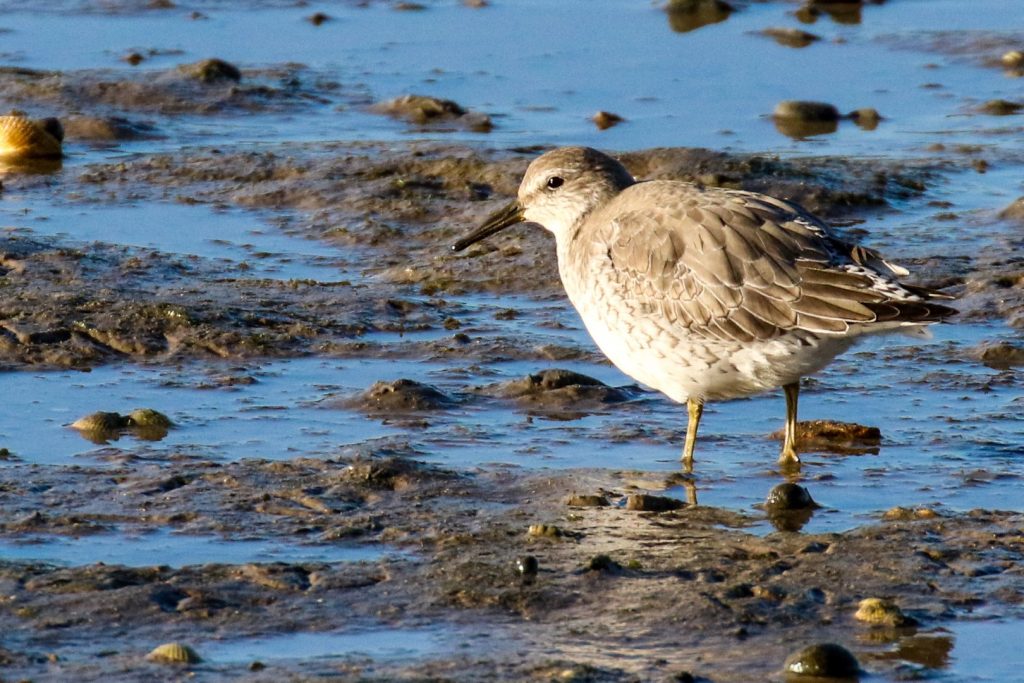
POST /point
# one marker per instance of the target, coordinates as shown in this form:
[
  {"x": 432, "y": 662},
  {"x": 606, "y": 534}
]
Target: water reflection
[
  {"x": 839, "y": 12},
  {"x": 689, "y": 15},
  {"x": 801, "y": 129},
  {"x": 20, "y": 165}
]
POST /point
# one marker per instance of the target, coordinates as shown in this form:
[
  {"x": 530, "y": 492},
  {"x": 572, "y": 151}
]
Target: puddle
[
  {"x": 985, "y": 651},
  {"x": 247, "y": 243},
  {"x": 944, "y": 442},
  {"x": 175, "y": 550},
  {"x": 389, "y": 644},
  {"x": 270, "y": 418}
]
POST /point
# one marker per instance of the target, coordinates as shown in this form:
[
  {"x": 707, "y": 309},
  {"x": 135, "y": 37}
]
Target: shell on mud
[
  {"x": 881, "y": 612},
  {"x": 544, "y": 530},
  {"x": 21, "y": 137},
  {"x": 174, "y": 653},
  {"x": 148, "y": 418},
  {"x": 100, "y": 422}
]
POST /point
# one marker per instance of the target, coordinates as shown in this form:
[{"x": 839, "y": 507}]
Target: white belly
[{"x": 682, "y": 365}]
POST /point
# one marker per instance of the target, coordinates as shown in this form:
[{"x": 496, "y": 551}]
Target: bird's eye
[{"x": 555, "y": 182}]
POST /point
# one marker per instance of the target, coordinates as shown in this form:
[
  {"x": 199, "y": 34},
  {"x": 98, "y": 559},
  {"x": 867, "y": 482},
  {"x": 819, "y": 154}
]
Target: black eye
[{"x": 555, "y": 182}]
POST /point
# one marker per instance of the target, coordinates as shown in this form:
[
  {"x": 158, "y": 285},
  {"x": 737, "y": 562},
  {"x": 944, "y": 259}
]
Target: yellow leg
[
  {"x": 789, "y": 445},
  {"x": 694, "y": 409}
]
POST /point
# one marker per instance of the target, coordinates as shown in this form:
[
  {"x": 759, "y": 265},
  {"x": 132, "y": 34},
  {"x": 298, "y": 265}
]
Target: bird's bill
[{"x": 495, "y": 223}]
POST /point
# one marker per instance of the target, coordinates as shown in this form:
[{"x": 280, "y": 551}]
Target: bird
[{"x": 705, "y": 293}]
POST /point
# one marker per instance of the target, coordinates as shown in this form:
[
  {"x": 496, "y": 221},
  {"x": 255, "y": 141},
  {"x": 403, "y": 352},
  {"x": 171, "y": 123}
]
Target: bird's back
[{"x": 741, "y": 266}]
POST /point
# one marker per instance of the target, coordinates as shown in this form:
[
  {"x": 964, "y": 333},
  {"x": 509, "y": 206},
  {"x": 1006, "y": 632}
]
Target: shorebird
[{"x": 705, "y": 293}]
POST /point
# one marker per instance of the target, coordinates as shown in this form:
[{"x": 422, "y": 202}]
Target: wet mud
[{"x": 663, "y": 582}]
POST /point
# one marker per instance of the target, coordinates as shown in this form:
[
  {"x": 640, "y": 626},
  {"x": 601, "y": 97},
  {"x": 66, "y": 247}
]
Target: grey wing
[{"x": 739, "y": 266}]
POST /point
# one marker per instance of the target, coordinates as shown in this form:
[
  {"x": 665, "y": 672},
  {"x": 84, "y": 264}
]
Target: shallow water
[
  {"x": 175, "y": 550},
  {"x": 377, "y": 643},
  {"x": 711, "y": 87}
]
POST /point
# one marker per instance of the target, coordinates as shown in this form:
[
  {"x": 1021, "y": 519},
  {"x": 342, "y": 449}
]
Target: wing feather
[{"x": 740, "y": 266}]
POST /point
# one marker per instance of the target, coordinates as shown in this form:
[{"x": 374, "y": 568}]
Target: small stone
[
  {"x": 1000, "y": 108},
  {"x": 605, "y": 120},
  {"x": 527, "y": 565},
  {"x": 603, "y": 563},
  {"x": 881, "y": 612},
  {"x": 174, "y": 653},
  {"x": 422, "y": 110},
  {"x": 798, "y": 119},
  {"x": 401, "y": 396},
  {"x": 806, "y": 111},
  {"x": 866, "y": 118},
  {"x": 133, "y": 58},
  {"x": 318, "y": 18},
  {"x": 1012, "y": 59},
  {"x": 825, "y": 660},
  {"x": 834, "y": 437},
  {"x": 644, "y": 502},
  {"x": 789, "y": 496},
  {"x": 587, "y": 501}
]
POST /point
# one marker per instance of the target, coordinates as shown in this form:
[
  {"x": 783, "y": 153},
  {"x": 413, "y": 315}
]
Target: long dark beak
[{"x": 498, "y": 221}]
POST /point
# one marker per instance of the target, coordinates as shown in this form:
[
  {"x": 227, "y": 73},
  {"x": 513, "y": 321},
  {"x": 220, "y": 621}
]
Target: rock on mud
[
  {"x": 105, "y": 129},
  {"x": 834, "y": 437},
  {"x": 1000, "y": 355},
  {"x": 557, "y": 390},
  {"x": 806, "y": 111},
  {"x": 1000, "y": 108},
  {"x": 1014, "y": 59},
  {"x": 401, "y": 396},
  {"x": 1014, "y": 212},
  {"x": 212, "y": 71},
  {"x": 789, "y": 496},
  {"x": 866, "y": 118},
  {"x": 827, "y": 660},
  {"x": 422, "y": 110},
  {"x": 606, "y": 119},
  {"x": 645, "y": 502},
  {"x": 587, "y": 500},
  {"x": 800, "y": 119}
]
